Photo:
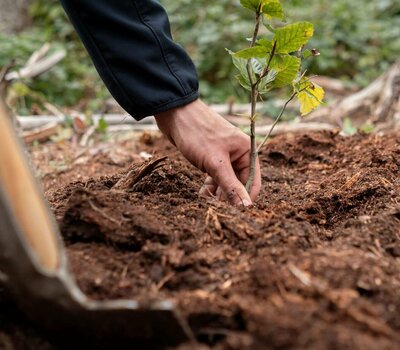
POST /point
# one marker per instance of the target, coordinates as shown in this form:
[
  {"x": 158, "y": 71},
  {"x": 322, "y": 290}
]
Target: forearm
[{"x": 131, "y": 46}]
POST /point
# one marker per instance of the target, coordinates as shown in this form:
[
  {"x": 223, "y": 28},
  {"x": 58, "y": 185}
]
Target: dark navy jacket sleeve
[{"x": 131, "y": 46}]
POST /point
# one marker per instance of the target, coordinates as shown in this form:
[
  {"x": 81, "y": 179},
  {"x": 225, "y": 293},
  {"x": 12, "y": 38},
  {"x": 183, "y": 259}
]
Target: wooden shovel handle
[{"x": 24, "y": 198}]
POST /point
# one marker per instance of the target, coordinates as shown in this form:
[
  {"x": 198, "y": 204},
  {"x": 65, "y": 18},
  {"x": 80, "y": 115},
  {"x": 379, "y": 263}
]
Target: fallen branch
[
  {"x": 290, "y": 127},
  {"x": 34, "y": 121},
  {"x": 41, "y": 134},
  {"x": 138, "y": 172},
  {"x": 37, "y": 67},
  {"x": 38, "y": 55},
  {"x": 333, "y": 86},
  {"x": 378, "y": 103}
]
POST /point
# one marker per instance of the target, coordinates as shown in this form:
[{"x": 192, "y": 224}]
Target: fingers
[
  {"x": 209, "y": 187},
  {"x": 224, "y": 176},
  {"x": 243, "y": 176},
  {"x": 255, "y": 190}
]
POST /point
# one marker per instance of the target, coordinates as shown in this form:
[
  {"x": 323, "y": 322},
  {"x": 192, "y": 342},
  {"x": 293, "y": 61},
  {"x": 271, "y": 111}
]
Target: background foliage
[{"x": 358, "y": 40}]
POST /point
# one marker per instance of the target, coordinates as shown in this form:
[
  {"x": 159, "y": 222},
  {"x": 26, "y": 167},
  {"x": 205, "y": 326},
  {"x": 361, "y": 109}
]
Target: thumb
[{"x": 224, "y": 175}]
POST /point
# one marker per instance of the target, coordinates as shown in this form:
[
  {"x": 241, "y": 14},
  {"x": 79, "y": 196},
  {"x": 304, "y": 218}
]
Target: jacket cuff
[{"x": 164, "y": 107}]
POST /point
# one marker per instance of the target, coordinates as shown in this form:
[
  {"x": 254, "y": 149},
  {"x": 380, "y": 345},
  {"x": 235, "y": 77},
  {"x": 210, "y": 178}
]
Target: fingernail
[
  {"x": 202, "y": 191},
  {"x": 246, "y": 203}
]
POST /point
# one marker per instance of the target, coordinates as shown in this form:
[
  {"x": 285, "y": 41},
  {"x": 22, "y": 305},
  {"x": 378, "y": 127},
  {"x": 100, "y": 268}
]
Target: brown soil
[{"x": 314, "y": 264}]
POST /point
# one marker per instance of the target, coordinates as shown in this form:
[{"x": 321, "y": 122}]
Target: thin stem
[
  {"x": 275, "y": 122},
  {"x": 277, "y": 119},
  {"x": 253, "y": 98},
  {"x": 266, "y": 69},
  {"x": 253, "y": 145}
]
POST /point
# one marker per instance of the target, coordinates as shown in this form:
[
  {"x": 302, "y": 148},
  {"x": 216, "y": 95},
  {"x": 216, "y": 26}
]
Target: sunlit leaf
[
  {"x": 241, "y": 65},
  {"x": 250, "y": 4},
  {"x": 265, "y": 84},
  {"x": 287, "y": 68},
  {"x": 265, "y": 43},
  {"x": 252, "y": 52},
  {"x": 292, "y": 37},
  {"x": 310, "y": 96},
  {"x": 273, "y": 9}
]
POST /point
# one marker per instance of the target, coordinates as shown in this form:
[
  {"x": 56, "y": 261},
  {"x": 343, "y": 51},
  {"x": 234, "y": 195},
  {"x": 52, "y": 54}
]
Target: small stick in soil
[
  {"x": 164, "y": 280},
  {"x": 138, "y": 173},
  {"x": 124, "y": 273}
]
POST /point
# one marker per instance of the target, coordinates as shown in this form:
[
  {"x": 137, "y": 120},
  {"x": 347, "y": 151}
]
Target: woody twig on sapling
[{"x": 275, "y": 61}]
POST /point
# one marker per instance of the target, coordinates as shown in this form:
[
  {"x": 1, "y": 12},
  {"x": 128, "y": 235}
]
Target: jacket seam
[{"x": 141, "y": 17}]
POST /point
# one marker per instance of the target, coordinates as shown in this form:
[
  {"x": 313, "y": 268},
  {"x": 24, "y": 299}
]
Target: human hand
[{"x": 214, "y": 146}]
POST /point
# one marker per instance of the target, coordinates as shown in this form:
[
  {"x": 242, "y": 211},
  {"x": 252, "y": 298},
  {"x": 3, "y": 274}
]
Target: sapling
[{"x": 275, "y": 61}]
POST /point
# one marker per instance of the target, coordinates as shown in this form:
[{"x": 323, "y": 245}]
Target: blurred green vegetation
[
  {"x": 72, "y": 82},
  {"x": 358, "y": 40}
]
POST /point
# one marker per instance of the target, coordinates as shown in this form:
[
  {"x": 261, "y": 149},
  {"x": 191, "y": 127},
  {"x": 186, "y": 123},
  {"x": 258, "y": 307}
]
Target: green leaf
[
  {"x": 20, "y": 89},
  {"x": 348, "y": 127},
  {"x": 241, "y": 65},
  {"x": 250, "y": 4},
  {"x": 102, "y": 126},
  {"x": 265, "y": 83},
  {"x": 269, "y": 27},
  {"x": 265, "y": 43},
  {"x": 367, "y": 128},
  {"x": 273, "y": 9},
  {"x": 287, "y": 68},
  {"x": 292, "y": 37},
  {"x": 254, "y": 5},
  {"x": 252, "y": 52},
  {"x": 243, "y": 82}
]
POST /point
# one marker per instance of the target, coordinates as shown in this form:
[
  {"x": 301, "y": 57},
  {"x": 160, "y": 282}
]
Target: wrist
[{"x": 169, "y": 122}]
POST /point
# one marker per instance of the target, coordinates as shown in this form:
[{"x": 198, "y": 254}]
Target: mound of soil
[{"x": 314, "y": 264}]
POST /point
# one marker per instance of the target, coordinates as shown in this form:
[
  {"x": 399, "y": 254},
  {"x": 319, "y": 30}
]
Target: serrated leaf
[
  {"x": 254, "y": 5},
  {"x": 241, "y": 65},
  {"x": 244, "y": 82},
  {"x": 265, "y": 43},
  {"x": 270, "y": 28},
  {"x": 292, "y": 37},
  {"x": 252, "y": 52},
  {"x": 310, "y": 97},
  {"x": 287, "y": 68},
  {"x": 273, "y": 10},
  {"x": 265, "y": 83},
  {"x": 250, "y": 4}
]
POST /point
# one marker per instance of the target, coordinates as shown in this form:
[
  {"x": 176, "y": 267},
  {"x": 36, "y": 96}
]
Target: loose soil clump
[{"x": 315, "y": 263}]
